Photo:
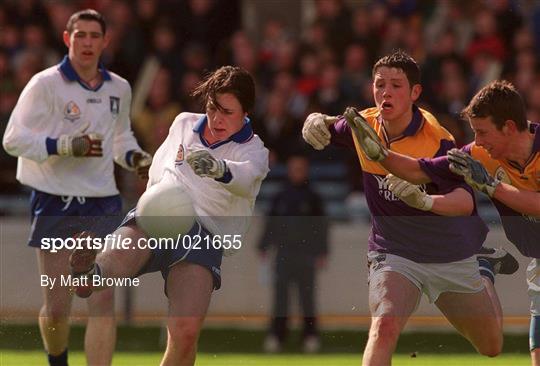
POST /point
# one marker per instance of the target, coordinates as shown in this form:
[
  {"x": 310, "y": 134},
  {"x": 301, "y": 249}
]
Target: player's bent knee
[
  {"x": 102, "y": 302},
  {"x": 492, "y": 346},
  {"x": 55, "y": 313},
  {"x": 491, "y": 351},
  {"x": 184, "y": 332},
  {"x": 385, "y": 329}
]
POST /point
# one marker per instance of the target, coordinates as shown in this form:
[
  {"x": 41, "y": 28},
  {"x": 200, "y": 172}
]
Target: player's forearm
[
  {"x": 244, "y": 179},
  {"x": 456, "y": 203},
  {"x": 123, "y": 143},
  {"x": 525, "y": 202},
  {"x": 405, "y": 167}
]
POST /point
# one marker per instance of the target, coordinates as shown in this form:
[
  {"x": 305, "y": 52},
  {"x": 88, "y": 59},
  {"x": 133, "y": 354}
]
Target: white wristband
[
  {"x": 428, "y": 203},
  {"x": 64, "y": 146}
]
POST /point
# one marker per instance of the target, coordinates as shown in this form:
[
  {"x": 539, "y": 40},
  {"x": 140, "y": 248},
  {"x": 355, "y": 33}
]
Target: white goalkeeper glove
[
  {"x": 141, "y": 161},
  {"x": 88, "y": 145},
  {"x": 409, "y": 193},
  {"x": 315, "y": 131},
  {"x": 472, "y": 171},
  {"x": 366, "y": 136},
  {"x": 205, "y": 165}
]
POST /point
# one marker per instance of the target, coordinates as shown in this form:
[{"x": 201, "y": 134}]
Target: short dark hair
[
  {"x": 501, "y": 101},
  {"x": 400, "y": 60},
  {"x": 87, "y": 14},
  {"x": 227, "y": 79}
]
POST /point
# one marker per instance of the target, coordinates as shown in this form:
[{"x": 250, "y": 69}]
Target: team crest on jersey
[
  {"x": 115, "y": 106},
  {"x": 502, "y": 176},
  {"x": 180, "y": 155},
  {"x": 72, "y": 112},
  {"x": 386, "y": 193}
]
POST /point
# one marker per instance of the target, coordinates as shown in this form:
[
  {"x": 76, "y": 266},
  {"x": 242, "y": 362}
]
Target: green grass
[
  {"x": 23, "y": 358},
  {"x": 20, "y": 345}
]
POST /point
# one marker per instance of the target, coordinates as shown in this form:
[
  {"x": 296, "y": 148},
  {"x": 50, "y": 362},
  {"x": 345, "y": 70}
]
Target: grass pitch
[
  {"x": 20, "y": 358},
  {"x": 20, "y": 345}
]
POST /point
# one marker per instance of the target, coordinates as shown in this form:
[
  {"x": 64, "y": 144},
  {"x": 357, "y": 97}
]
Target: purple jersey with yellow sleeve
[
  {"x": 522, "y": 230},
  {"x": 397, "y": 228}
]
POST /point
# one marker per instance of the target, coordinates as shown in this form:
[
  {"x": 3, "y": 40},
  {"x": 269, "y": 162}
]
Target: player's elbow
[
  {"x": 462, "y": 202},
  {"x": 465, "y": 209},
  {"x": 536, "y": 209},
  {"x": 10, "y": 144}
]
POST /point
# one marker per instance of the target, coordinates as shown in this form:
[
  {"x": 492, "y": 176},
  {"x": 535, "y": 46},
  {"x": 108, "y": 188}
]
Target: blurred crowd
[{"x": 164, "y": 47}]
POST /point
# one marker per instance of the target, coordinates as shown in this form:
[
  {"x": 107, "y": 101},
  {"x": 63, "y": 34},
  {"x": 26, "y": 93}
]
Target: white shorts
[
  {"x": 533, "y": 283},
  {"x": 431, "y": 278}
]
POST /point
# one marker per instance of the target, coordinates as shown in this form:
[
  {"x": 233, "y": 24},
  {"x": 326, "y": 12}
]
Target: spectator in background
[
  {"x": 58, "y": 12},
  {"x": 151, "y": 125},
  {"x": 486, "y": 39},
  {"x": 445, "y": 49},
  {"x": 277, "y": 128},
  {"x": 35, "y": 38},
  {"x": 284, "y": 84},
  {"x": 310, "y": 73},
  {"x": 355, "y": 75},
  {"x": 508, "y": 20},
  {"x": 297, "y": 229},
  {"x": 328, "y": 95},
  {"x": 188, "y": 83},
  {"x": 533, "y": 100},
  {"x": 336, "y": 18},
  {"x": 453, "y": 15}
]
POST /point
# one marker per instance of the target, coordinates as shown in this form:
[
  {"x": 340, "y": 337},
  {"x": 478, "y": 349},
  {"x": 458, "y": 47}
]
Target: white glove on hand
[
  {"x": 409, "y": 193},
  {"x": 88, "y": 145},
  {"x": 315, "y": 131},
  {"x": 205, "y": 165},
  {"x": 368, "y": 139},
  {"x": 141, "y": 161}
]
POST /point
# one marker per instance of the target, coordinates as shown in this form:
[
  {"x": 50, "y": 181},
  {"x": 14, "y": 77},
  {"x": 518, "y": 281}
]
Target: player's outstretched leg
[
  {"x": 477, "y": 316},
  {"x": 392, "y": 300},
  {"x": 189, "y": 288},
  {"x": 111, "y": 263}
]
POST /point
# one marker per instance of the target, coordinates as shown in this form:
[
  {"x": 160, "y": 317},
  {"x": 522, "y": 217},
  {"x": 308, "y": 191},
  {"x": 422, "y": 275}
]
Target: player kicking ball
[
  {"x": 423, "y": 239},
  {"x": 503, "y": 162},
  {"x": 221, "y": 163}
]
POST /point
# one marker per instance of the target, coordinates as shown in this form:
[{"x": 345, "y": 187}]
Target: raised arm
[
  {"x": 476, "y": 175},
  {"x": 398, "y": 164}
]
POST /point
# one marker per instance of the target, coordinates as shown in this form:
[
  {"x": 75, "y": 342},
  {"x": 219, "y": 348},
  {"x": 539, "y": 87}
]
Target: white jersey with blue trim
[
  {"x": 56, "y": 102},
  {"x": 223, "y": 208}
]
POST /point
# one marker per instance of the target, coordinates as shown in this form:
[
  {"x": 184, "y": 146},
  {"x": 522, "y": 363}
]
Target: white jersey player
[
  {"x": 70, "y": 124},
  {"x": 222, "y": 164}
]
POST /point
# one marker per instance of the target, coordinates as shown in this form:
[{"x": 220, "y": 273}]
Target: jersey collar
[
  {"x": 412, "y": 128},
  {"x": 244, "y": 135},
  {"x": 415, "y": 124},
  {"x": 70, "y": 74}
]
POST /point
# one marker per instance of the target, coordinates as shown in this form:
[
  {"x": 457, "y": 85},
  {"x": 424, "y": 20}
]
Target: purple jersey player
[
  {"x": 504, "y": 163},
  {"x": 415, "y": 246}
]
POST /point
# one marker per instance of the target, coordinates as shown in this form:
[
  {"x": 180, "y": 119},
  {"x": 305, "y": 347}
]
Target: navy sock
[
  {"x": 534, "y": 332},
  {"x": 60, "y": 360},
  {"x": 486, "y": 269}
]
